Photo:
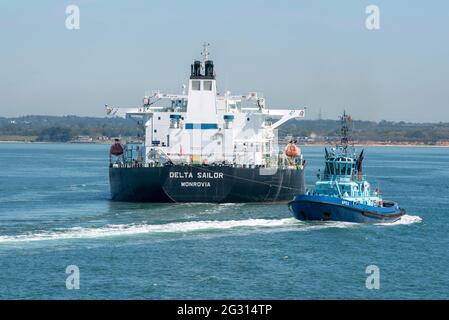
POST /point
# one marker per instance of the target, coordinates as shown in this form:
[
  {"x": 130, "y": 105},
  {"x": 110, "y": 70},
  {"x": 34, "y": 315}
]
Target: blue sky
[{"x": 298, "y": 53}]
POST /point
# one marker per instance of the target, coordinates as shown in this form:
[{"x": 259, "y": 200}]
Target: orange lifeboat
[
  {"x": 292, "y": 150},
  {"x": 116, "y": 148}
]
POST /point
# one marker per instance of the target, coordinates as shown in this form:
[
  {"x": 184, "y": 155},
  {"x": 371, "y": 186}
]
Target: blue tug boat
[{"x": 342, "y": 192}]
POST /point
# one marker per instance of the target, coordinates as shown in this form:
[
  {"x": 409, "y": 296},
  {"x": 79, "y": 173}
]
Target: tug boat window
[
  {"x": 331, "y": 168},
  {"x": 196, "y": 85},
  {"x": 337, "y": 168},
  {"x": 207, "y": 85}
]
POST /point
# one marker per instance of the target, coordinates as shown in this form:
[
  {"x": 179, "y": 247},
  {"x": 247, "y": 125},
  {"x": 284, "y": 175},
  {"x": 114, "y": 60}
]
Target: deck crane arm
[{"x": 286, "y": 115}]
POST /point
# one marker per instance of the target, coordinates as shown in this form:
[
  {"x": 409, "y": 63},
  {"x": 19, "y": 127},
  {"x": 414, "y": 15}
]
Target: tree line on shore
[
  {"x": 67, "y": 128},
  {"x": 383, "y": 131}
]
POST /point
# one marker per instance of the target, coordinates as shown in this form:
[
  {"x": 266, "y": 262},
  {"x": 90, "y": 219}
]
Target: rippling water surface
[{"x": 55, "y": 212}]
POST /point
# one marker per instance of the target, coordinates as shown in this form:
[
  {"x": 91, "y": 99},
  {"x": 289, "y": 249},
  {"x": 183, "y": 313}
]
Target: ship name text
[{"x": 198, "y": 175}]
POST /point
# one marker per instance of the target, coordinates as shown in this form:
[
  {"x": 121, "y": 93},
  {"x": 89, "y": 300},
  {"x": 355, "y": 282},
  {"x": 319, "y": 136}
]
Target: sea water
[{"x": 56, "y": 216}]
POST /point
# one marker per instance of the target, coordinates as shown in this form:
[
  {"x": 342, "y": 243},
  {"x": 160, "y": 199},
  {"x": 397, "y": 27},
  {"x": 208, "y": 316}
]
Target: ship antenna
[
  {"x": 205, "y": 52},
  {"x": 345, "y": 138}
]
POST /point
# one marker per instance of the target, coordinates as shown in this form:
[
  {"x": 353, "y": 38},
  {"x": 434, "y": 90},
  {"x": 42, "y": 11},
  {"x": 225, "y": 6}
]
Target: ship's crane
[{"x": 286, "y": 115}]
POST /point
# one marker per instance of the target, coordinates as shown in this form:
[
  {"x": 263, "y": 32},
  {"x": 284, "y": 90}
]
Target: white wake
[
  {"x": 405, "y": 220},
  {"x": 114, "y": 230},
  {"x": 135, "y": 229}
]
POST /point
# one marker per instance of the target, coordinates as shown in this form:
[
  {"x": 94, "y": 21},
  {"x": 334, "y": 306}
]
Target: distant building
[{"x": 84, "y": 139}]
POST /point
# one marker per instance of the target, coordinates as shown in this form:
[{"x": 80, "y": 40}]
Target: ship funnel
[
  {"x": 209, "y": 68},
  {"x": 196, "y": 70}
]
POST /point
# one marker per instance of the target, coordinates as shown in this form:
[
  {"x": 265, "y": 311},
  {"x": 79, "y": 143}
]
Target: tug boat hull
[
  {"x": 327, "y": 208},
  {"x": 219, "y": 184}
]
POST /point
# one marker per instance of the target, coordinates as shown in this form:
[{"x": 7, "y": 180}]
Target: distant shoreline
[
  {"x": 52, "y": 142},
  {"x": 444, "y": 144}
]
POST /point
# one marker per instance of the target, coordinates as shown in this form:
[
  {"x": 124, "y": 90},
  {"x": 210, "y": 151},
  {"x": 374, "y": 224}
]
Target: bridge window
[
  {"x": 337, "y": 168},
  {"x": 196, "y": 85},
  {"x": 207, "y": 85}
]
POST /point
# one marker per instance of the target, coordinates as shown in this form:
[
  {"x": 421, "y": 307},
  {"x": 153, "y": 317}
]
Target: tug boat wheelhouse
[
  {"x": 342, "y": 192},
  {"x": 202, "y": 146}
]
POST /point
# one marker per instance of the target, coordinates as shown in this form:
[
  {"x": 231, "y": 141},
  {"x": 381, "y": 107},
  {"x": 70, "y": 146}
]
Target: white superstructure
[{"x": 206, "y": 127}]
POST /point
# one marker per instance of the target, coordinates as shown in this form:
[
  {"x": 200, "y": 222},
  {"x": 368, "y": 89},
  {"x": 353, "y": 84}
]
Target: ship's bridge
[{"x": 340, "y": 166}]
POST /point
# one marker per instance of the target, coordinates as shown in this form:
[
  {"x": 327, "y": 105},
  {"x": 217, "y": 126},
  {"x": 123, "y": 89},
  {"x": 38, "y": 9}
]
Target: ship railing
[
  {"x": 133, "y": 156},
  {"x": 331, "y": 177},
  {"x": 136, "y": 164},
  {"x": 153, "y": 164}
]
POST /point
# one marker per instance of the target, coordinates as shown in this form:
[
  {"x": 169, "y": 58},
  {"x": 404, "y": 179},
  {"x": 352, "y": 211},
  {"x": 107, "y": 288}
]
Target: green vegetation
[
  {"x": 385, "y": 131},
  {"x": 56, "y": 134},
  {"x": 66, "y": 128}
]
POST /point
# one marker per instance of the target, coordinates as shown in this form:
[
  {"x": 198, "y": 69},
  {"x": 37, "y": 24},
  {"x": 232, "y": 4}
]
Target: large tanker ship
[{"x": 202, "y": 146}]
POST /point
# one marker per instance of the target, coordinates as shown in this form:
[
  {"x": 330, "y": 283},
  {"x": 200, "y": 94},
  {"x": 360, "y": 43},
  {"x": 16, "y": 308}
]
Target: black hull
[{"x": 205, "y": 184}]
